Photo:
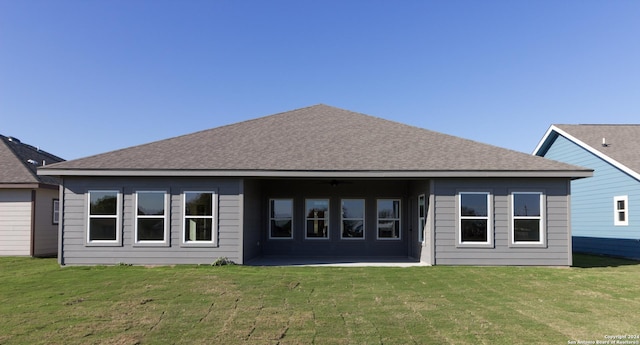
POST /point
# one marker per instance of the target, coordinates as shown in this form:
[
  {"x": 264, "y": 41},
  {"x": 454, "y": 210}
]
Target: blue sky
[{"x": 79, "y": 78}]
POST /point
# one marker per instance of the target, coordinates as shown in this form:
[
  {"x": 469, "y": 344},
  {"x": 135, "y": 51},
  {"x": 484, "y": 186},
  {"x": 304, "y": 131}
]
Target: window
[
  {"x": 527, "y": 224},
  {"x": 317, "y": 218},
  {"x": 199, "y": 220},
  {"x": 104, "y": 217},
  {"x": 352, "y": 218},
  {"x": 620, "y": 206},
  {"x": 422, "y": 213},
  {"x": 388, "y": 219},
  {"x": 474, "y": 218},
  {"x": 55, "y": 218},
  {"x": 151, "y": 222},
  {"x": 281, "y": 218}
]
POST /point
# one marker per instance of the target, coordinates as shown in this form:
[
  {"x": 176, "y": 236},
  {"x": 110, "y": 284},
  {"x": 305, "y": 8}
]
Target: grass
[{"x": 41, "y": 303}]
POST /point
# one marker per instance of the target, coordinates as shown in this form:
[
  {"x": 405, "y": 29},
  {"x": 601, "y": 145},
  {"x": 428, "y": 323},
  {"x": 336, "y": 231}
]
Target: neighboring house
[
  {"x": 318, "y": 182},
  {"x": 605, "y": 208},
  {"x": 28, "y": 203}
]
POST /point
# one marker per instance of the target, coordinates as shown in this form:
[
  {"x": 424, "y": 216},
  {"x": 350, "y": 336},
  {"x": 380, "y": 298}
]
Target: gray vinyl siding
[
  {"x": 75, "y": 250},
  {"x": 45, "y": 233},
  {"x": 15, "y": 222},
  {"x": 557, "y": 251}
]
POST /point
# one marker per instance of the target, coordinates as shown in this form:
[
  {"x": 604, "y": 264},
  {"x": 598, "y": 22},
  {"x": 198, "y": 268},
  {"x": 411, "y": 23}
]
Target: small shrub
[{"x": 222, "y": 261}]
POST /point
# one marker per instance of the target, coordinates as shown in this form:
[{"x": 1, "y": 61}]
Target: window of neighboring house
[
  {"x": 474, "y": 218},
  {"x": 317, "y": 218},
  {"x": 55, "y": 220},
  {"x": 422, "y": 215},
  {"x": 352, "y": 218},
  {"x": 281, "y": 218},
  {"x": 199, "y": 217},
  {"x": 104, "y": 216},
  {"x": 621, "y": 207},
  {"x": 527, "y": 217},
  {"x": 388, "y": 219},
  {"x": 151, "y": 217}
]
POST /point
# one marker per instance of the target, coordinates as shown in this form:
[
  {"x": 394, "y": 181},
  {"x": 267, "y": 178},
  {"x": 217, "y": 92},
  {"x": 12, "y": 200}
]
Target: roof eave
[
  {"x": 319, "y": 174},
  {"x": 28, "y": 185},
  {"x": 589, "y": 148}
]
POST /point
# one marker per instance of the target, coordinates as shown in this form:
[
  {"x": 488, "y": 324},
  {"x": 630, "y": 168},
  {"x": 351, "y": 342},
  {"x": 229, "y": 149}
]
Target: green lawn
[{"x": 41, "y": 303}]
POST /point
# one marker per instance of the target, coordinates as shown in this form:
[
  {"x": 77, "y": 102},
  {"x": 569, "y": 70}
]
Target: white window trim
[
  {"x": 117, "y": 216},
  {"x": 542, "y": 218},
  {"x": 364, "y": 220},
  {"x": 213, "y": 217},
  {"x": 55, "y": 212},
  {"x": 399, "y": 219},
  {"x": 616, "y": 211},
  {"x": 490, "y": 226},
  {"x": 292, "y": 218},
  {"x": 165, "y": 219},
  {"x": 422, "y": 219},
  {"x": 326, "y": 218}
]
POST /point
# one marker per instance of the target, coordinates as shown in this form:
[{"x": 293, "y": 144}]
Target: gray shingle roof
[
  {"x": 623, "y": 141},
  {"x": 18, "y": 163},
  {"x": 318, "y": 138}
]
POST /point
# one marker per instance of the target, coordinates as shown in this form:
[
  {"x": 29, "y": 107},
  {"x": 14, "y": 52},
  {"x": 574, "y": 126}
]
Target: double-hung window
[
  {"x": 55, "y": 212},
  {"x": 474, "y": 217},
  {"x": 104, "y": 217},
  {"x": 200, "y": 223},
  {"x": 281, "y": 218},
  {"x": 388, "y": 219},
  {"x": 527, "y": 224},
  {"x": 317, "y": 218},
  {"x": 151, "y": 217},
  {"x": 620, "y": 208},
  {"x": 352, "y": 218}
]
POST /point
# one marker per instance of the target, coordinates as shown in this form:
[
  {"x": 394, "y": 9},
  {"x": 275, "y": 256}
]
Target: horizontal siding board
[
  {"x": 15, "y": 222},
  {"x": 592, "y": 203},
  {"x": 556, "y": 252},
  {"x": 76, "y": 252}
]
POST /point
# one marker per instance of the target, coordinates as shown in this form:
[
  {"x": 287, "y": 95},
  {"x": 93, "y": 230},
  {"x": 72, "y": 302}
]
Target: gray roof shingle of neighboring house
[
  {"x": 19, "y": 163},
  {"x": 622, "y": 141},
  {"x": 316, "y": 139}
]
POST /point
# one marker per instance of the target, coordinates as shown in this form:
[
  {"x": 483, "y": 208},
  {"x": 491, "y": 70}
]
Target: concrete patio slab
[{"x": 336, "y": 262}]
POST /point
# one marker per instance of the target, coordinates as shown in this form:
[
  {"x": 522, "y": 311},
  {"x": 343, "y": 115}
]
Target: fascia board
[
  {"x": 320, "y": 174},
  {"x": 544, "y": 139}
]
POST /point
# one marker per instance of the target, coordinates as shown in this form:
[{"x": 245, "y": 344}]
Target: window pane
[
  {"x": 198, "y": 229},
  {"x": 317, "y": 228},
  {"x": 421, "y": 206},
  {"x": 473, "y": 204},
  {"x": 317, "y": 208},
  {"x": 473, "y": 230},
  {"x": 621, "y": 216},
  {"x": 388, "y": 209},
  {"x": 353, "y": 208},
  {"x": 526, "y": 230},
  {"x": 526, "y": 205},
  {"x": 102, "y": 229},
  {"x": 198, "y": 204},
  {"x": 281, "y": 228},
  {"x": 620, "y": 204},
  {"x": 150, "y": 203},
  {"x": 150, "y": 229},
  {"x": 388, "y": 229},
  {"x": 104, "y": 203},
  {"x": 281, "y": 208},
  {"x": 352, "y": 228}
]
